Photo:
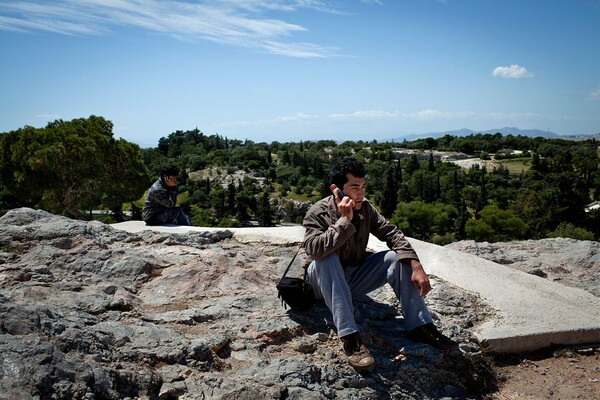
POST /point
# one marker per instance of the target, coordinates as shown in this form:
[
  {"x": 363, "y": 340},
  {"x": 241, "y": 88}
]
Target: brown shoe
[
  {"x": 429, "y": 334},
  {"x": 358, "y": 354}
]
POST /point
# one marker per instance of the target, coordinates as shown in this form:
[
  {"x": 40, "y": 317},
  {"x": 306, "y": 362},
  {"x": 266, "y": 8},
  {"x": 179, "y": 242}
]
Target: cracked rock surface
[
  {"x": 90, "y": 312},
  {"x": 569, "y": 262}
]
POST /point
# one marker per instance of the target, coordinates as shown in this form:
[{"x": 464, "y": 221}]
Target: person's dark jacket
[
  {"x": 327, "y": 233},
  {"x": 159, "y": 197}
]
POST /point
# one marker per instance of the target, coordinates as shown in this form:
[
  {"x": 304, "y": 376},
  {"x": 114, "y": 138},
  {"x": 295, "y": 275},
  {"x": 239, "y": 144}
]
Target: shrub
[
  {"x": 202, "y": 217},
  {"x": 229, "y": 223},
  {"x": 568, "y": 230},
  {"x": 496, "y": 225},
  {"x": 442, "y": 240}
]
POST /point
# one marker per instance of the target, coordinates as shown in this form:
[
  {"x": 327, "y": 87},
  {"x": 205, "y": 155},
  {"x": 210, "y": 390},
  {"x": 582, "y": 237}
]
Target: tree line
[{"x": 70, "y": 167}]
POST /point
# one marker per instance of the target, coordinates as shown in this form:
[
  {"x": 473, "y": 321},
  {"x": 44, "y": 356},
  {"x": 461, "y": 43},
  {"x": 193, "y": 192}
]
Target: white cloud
[
  {"x": 48, "y": 117},
  {"x": 296, "y": 117},
  {"x": 423, "y": 115},
  {"x": 420, "y": 117},
  {"x": 232, "y": 22},
  {"x": 430, "y": 114},
  {"x": 512, "y": 72},
  {"x": 300, "y": 117},
  {"x": 369, "y": 114},
  {"x": 375, "y": 115},
  {"x": 595, "y": 93}
]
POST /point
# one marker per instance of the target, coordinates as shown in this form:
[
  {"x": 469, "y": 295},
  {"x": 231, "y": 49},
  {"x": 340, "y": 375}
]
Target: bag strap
[{"x": 291, "y": 262}]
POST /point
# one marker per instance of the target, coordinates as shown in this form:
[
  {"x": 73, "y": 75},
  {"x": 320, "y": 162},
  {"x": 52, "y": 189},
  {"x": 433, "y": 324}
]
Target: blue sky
[{"x": 296, "y": 70}]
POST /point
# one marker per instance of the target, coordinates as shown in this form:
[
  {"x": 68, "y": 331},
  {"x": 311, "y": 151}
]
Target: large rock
[
  {"x": 88, "y": 312},
  {"x": 571, "y": 262}
]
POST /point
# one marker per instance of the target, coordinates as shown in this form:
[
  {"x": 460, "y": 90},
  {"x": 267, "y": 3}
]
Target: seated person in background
[{"x": 159, "y": 206}]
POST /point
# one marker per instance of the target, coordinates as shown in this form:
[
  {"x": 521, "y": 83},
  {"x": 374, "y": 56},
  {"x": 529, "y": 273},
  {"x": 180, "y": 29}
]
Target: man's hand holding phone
[
  {"x": 345, "y": 204},
  {"x": 170, "y": 180}
]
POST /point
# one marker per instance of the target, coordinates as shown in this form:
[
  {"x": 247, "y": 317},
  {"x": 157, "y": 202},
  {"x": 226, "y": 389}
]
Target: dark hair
[
  {"x": 348, "y": 165},
  {"x": 169, "y": 170}
]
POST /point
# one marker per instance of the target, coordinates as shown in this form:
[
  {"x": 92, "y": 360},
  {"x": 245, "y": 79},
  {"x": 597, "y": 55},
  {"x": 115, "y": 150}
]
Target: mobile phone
[{"x": 340, "y": 193}]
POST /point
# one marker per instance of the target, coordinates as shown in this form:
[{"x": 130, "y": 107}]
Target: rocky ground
[
  {"x": 89, "y": 312},
  {"x": 569, "y": 262}
]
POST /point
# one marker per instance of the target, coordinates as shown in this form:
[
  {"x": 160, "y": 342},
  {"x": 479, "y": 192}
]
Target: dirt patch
[{"x": 571, "y": 373}]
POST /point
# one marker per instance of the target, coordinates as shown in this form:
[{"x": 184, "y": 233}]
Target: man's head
[
  {"x": 348, "y": 165},
  {"x": 349, "y": 176},
  {"x": 168, "y": 174}
]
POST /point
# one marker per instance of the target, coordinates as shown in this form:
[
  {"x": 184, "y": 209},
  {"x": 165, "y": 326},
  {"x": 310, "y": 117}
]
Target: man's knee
[
  {"x": 390, "y": 257},
  {"x": 325, "y": 273},
  {"x": 325, "y": 269},
  {"x": 395, "y": 267},
  {"x": 327, "y": 263}
]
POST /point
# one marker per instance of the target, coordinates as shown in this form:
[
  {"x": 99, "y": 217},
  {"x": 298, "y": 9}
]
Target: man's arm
[
  {"x": 391, "y": 235},
  {"x": 164, "y": 197},
  {"x": 397, "y": 242},
  {"x": 324, "y": 234}
]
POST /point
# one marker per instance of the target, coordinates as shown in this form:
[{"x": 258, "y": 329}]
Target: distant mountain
[{"x": 466, "y": 132}]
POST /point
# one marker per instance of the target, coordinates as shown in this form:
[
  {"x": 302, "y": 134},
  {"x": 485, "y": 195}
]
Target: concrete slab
[
  {"x": 532, "y": 312},
  {"x": 287, "y": 234}
]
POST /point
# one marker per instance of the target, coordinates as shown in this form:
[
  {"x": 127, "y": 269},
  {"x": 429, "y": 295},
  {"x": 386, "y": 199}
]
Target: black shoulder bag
[{"x": 295, "y": 292}]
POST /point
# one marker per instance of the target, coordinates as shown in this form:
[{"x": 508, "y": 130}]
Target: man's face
[
  {"x": 170, "y": 180},
  {"x": 355, "y": 189}
]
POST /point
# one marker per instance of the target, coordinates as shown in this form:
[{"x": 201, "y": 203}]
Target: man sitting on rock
[
  {"x": 160, "y": 204},
  {"x": 337, "y": 232}
]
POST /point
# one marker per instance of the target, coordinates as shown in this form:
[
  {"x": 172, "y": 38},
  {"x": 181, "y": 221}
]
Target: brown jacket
[{"x": 326, "y": 233}]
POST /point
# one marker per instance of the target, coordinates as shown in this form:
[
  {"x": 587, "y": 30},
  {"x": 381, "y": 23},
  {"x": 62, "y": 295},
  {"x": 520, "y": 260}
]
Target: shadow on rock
[{"x": 403, "y": 368}]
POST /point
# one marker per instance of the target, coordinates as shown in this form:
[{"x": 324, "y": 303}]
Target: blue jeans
[
  {"x": 173, "y": 215},
  {"x": 336, "y": 285}
]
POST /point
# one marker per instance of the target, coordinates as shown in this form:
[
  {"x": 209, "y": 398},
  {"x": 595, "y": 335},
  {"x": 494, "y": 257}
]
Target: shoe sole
[{"x": 363, "y": 367}]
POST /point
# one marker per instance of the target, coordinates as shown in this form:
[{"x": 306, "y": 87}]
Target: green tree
[
  {"x": 568, "y": 230},
  {"x": 390, "y": 193},
  {"x": 495, "y": 225},
  {"x": 127, "y": 177},
  {"x": 422, "y": 220},
  {"x": 246, "y": 203},
  {"x": 265, "y": 212},
  {"x": 218, "y": 201},
  {"x": 431, "y": 163},
  {"x": 202, "y": 217},
  {"x": 412, "y": 165},
  {"x": 231, "y": 198},
  {"x": 532, "y": 208},
  {"x": 72, "y": 166}
]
